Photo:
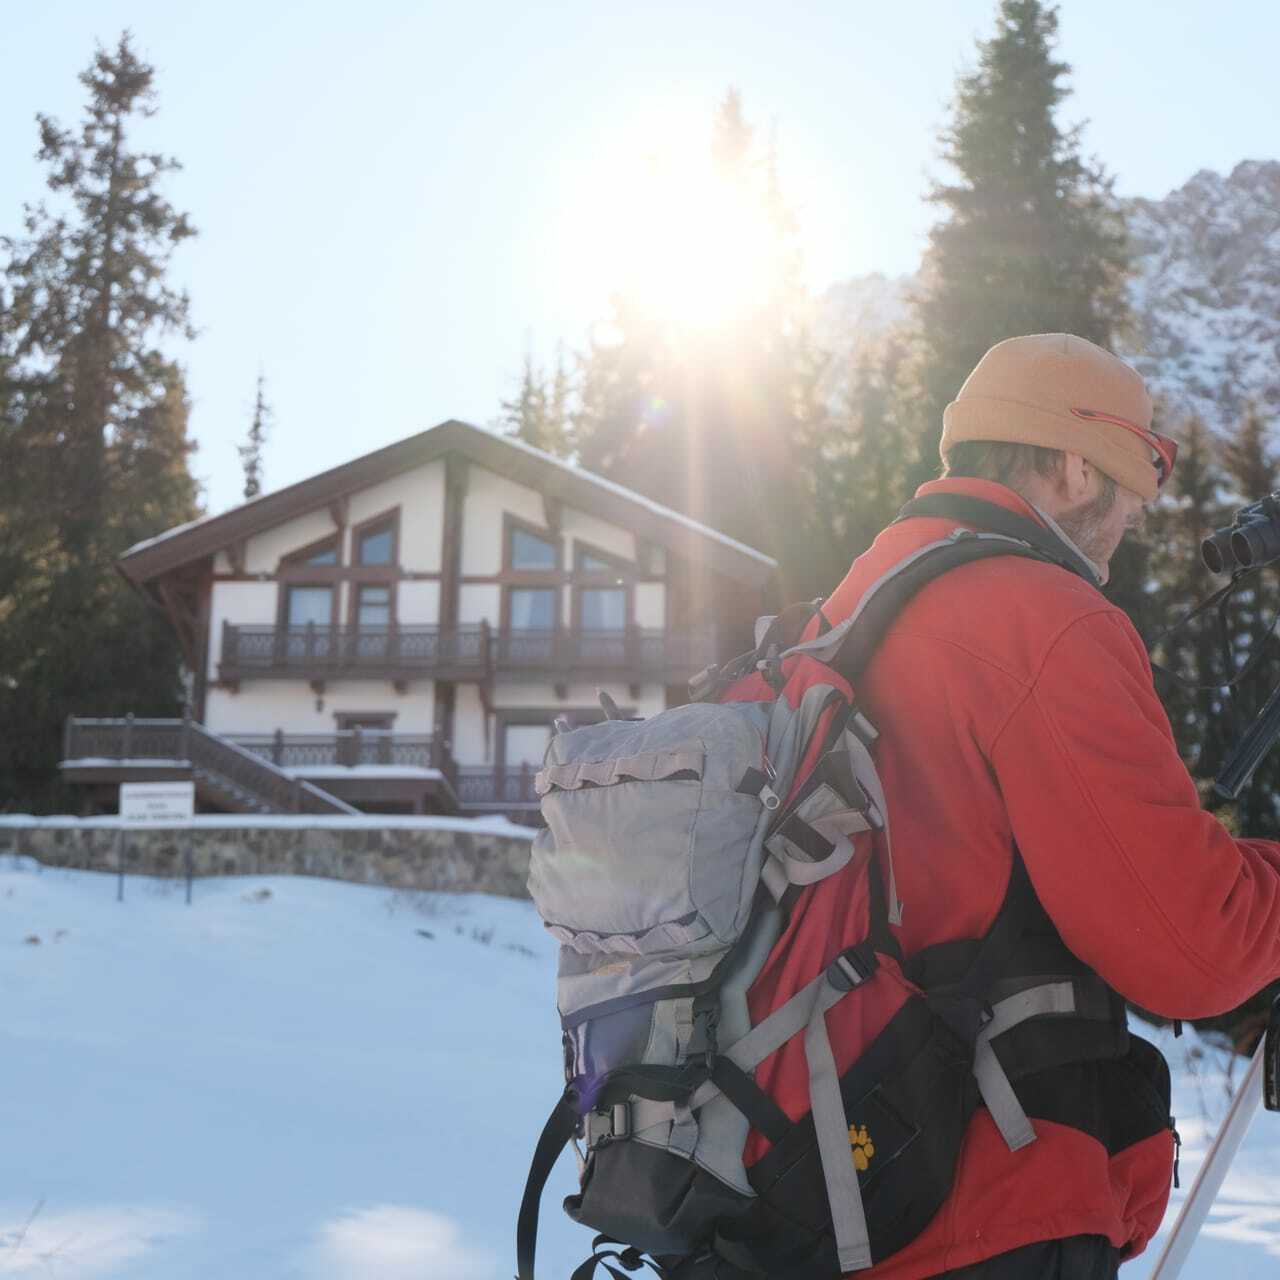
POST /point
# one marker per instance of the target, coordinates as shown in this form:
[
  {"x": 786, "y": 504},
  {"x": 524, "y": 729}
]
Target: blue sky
[{"x": 395, "y": 199}]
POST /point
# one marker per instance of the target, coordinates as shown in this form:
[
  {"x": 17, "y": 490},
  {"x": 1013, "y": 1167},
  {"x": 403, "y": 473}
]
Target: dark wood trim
[
  {"x": 295, "y": 560},
  {"x": 599, "y": 580},
  {"x": 282, "y": 599},
  {"x": 543, "y": 533},
  {"x": 455, "y": 496},
  {"x": 353, "y": 600},
  {"x": 391, "y": 516},
  {"x": 201, "y": 689},
  {"x": 561, "y": 578},
  {"x": 375, "y": 575},
  {"x": 343, "y": 718},
  {"x": 553, "y": 514},
  {"x": 575, "y": 488},
  {"x": 445, "y": 712},
  {"x": 504, "y": 603},
  {"x": 552, "y": 579},
  {"x": 342, "y": 573}
]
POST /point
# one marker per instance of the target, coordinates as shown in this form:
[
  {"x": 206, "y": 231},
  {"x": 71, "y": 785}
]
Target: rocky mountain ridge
[{"x": 1205, "y": 295}]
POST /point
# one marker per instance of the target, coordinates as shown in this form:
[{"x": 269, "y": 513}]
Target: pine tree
[
  {"x": 100, "y": 429},
  {"x": 251, "y": 451},
  {"x": 541, "y": 412},
  {"x": 1251, "y": 469},
  {"x": 1030, "y": 241},
  {"x": 1191, "y": 671}
]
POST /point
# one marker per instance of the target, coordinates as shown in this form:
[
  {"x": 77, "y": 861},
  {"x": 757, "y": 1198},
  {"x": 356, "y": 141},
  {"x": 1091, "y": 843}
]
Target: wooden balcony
[
  {"x": 471, "y": 652},
  {"x": 348, "y": 748}
]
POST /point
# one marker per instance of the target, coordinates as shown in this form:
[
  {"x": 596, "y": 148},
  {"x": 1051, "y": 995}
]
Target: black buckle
[{"x": 852, "y": 967}]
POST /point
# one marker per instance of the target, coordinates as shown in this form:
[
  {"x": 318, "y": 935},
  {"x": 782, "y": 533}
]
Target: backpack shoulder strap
[
  {"x": 993, "y": 518},
  {"x": 849, "y": 646}
]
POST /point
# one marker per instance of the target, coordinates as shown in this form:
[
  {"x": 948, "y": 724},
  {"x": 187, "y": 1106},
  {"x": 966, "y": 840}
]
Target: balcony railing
[
  {"x": 470, "y": 652},
  {"x": 347, "y": 747},
  {"x": 238, "y": 775},
  {"x": 495, "y": 789}
]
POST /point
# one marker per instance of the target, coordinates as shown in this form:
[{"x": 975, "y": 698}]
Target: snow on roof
[
  {"x": 629, "y": 495},
  {"x": 632, "y": 496}
]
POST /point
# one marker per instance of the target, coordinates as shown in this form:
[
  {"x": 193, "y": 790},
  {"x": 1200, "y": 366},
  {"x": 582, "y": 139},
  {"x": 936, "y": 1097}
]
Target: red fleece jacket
[{"x": 1016, "y": 704}]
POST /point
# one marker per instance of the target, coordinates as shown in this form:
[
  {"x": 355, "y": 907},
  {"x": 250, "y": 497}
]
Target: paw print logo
[{"x": 862, "y": 1146}]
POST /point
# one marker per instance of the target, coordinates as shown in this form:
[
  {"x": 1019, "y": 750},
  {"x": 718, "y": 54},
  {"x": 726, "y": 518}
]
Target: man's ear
[{"x": 1075, "y": 477}]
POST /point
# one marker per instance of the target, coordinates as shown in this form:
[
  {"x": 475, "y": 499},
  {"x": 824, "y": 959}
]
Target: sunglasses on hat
[{"x": 1164, "y": 449}]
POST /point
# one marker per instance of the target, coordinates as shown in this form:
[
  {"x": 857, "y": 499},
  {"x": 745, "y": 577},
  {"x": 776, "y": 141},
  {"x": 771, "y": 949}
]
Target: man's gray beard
[{"x": 1084, "y": 524}]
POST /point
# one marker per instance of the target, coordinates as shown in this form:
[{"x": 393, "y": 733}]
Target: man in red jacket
[{"x": 1017, "y": 711}]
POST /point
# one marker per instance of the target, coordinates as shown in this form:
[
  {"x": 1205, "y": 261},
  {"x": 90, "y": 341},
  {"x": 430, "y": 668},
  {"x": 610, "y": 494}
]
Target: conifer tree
[
  {"x": 540, "y": 414},
  {"x": 1250, "y": 465},
  {"x": 1029, "y": 241},
  {"x": 1191, "y": 673},
  {"x": 251, "y": 451},
  {"x": 100, "y": 432}
]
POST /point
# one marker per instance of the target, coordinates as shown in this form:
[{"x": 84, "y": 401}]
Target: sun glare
[{"x": 690, "y": 244}]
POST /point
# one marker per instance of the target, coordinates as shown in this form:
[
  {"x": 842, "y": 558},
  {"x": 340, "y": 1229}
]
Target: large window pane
[
  {"x": 328, "y": 555},
  {"x": 530, "y": 552},
  {"x": 532, "y": 609},
  {"x": 373, "y": 607},
  {"x": 376, "y": 546},
  {"x": 603, "y": 608},
  {"x": 310, "y": 605},
  {"x": 593, "y": 564}
]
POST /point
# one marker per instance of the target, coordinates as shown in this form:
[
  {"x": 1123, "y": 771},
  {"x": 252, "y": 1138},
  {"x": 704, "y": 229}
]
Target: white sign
[{"x": 157, "y": 804}]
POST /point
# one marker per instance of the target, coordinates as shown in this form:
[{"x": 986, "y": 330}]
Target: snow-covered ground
[{"x": 296, "y": 1079}]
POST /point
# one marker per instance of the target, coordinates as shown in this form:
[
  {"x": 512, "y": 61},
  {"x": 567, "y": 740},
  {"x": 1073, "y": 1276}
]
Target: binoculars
[{"x": 1250, "y": 541}]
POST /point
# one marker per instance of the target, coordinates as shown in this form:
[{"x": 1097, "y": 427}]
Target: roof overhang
[{"x": 683, "y": 537}]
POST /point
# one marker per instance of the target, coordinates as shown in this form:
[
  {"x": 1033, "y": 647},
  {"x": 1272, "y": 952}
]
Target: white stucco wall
[
  {"x": 262, "y": 706},
  {"x": 651, "y": 604},
  {"x": 418, "y": 603},
  {"x": 468, "y": 727},
  {"x": 469, "y": 740},
  {"x": 488, "y": 496},
  {"x": 478, "y": 601},
  {"x": 243, "y": 603},
  {"x": 264, "y": 551},
  {"x": 420, "y": 496},
  {"x": 613, "y": 538}
]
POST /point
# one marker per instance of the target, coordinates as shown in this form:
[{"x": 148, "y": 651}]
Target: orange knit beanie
[{"x": 1060, "y": 392}]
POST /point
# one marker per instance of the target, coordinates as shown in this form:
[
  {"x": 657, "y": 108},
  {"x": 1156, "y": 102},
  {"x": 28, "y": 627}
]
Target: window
[
  {"x": 528, "y": 551},
  {"x": 310, "y": 606},
  {"x": 377, "y": 546},
  {"x": 373, "y": 606},
  {"x": 532, "y": 608},
  {"x": 593, "y": 564},
  {"x": 603, "y": 608},
  {"x": 326, "y": 555}
]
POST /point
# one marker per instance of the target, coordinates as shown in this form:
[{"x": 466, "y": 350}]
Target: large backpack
[{"x": 720, "y": 878}]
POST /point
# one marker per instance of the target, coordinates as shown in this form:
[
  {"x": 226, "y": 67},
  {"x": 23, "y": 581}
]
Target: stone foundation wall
[{"x": 461, "y": 858}]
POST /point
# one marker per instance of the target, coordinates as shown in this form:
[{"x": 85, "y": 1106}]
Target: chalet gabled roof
[{"x": 509, "y": 457}]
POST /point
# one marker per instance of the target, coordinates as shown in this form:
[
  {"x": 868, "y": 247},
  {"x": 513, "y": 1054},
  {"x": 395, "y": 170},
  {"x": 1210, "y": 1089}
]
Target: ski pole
[{"x": 1262, "y": 1077}]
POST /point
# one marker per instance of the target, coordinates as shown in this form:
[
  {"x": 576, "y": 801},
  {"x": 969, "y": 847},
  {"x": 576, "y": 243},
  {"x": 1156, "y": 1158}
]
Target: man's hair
[
  {"x": 1007, "y": 463},
  {"x": 1000, "y": 460}
]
